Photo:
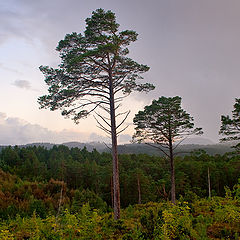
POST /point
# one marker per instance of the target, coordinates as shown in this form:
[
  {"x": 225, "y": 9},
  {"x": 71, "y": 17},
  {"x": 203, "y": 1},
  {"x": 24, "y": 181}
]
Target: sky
[{"x": 192, "y": 48}]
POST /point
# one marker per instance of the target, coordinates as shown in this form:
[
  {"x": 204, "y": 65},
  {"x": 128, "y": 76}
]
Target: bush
[{"x": 87, "y": 196}]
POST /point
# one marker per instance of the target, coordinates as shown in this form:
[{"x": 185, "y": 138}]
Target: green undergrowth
[{"x": 216, "y": 218}]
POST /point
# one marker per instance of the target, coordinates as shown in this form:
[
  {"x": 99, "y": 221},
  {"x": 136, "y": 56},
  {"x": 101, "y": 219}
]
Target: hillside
[{"x": 184, "y": 149}]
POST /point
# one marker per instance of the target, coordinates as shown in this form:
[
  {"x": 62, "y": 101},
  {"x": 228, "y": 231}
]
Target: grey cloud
[
  {"x": 45, "y": 21},
  {"x": 12, "y": 25},
  {"x": 124, "y": 138},
  {"x": 17, "y": 131},
  {"x": 98, "y": 138},
  {"x": 22, "y": 84}
]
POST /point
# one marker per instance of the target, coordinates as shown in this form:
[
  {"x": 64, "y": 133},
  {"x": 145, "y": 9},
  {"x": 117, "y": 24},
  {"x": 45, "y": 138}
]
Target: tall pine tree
[
  {"x": 96, "y": 74},
  {"x": 162, "y": 124}
]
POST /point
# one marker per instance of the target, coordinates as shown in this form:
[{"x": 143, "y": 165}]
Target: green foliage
[
  {"x": 237, "y": 190},
  {"x": 86, "y": 196},
  {"x": 91, "y": 64},
  {"x": 84, "y": 170},
  {"x": 37, "y": 207},
  {"x": 177, "y": 221},
  {"x": 230, "y": 127},
  {"x": 216, "y": 218},
  {"x": 164, "y": 121},
  {"x": 160, "y": 125}
]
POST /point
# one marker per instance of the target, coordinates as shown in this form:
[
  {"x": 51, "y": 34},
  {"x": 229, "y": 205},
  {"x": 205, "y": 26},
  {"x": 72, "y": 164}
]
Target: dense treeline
[
  {"x": 64, "y": 193},
  {"x": 143, "y": 178}
]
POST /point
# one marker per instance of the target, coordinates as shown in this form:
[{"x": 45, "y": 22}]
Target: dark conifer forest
[{"x": 66, "y": 193}]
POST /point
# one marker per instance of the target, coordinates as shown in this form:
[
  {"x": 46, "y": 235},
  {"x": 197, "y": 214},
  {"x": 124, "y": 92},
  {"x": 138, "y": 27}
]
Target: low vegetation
[
  {"x": 216, "y": 218},
  {"x": 64, "y": 193}
]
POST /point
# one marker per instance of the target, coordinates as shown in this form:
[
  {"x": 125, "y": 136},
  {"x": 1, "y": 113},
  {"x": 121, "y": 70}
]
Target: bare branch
[
  {"x": 179, "y": 143},
  {"x": 103, "y": 119},
  {"x": 94, "y": 108},
  {"x": 118, "y": 106},
  {"x": 119, "y": 99},
  {"x": 122, "y": 130},
  {"x": 122, "y": 113},
  {"x": 102, "y": 127},
  {"x": 123, "y": 120},
  {"x": 158, "y": 148},
  {"x": 107, "y": 146}
]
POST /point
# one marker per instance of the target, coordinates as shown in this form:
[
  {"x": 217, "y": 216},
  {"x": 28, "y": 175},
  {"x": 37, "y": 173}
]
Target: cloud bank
[{"x": 15, "y": 131}]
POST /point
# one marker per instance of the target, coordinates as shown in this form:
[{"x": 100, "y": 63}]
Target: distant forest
[{"x": 185, "y": 149}]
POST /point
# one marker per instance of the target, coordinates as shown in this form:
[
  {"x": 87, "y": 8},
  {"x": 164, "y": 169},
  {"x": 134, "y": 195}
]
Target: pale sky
[{"x": 191, "y": 46}]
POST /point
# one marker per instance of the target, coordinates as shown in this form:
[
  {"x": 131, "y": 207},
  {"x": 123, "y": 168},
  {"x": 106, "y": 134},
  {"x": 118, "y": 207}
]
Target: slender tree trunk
[
  {"x": 116, "y": 188},
  {"x": 59, "y": 203},
  {"x": 173, "y": 190},
  {"x": 164, "y": 193},
  {"x": 111, "y": 182},
  {"x": 209, "y": 184},
  {"x": 139, "y": 190}
]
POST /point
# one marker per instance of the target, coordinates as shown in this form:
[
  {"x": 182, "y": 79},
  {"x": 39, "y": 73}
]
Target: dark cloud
[{"x": 22, "y": 84}]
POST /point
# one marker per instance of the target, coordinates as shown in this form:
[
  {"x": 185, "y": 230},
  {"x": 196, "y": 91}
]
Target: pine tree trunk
[
  {"x": 111, "y": 183},
  {"x": 173, "y": 190},
  {"x": 209, "y": 184},
  {"x": 139, "y": 190},
  {"x": 116, "y": 188}
]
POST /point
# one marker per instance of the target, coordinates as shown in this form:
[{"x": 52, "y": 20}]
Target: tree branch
[
  {"x": 122, "y": 130},
  {"x": 123, "y": 120},
  {"x": 158, "y": 148}
]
